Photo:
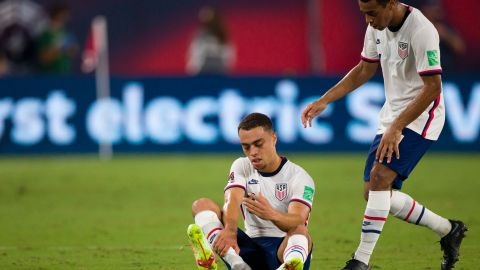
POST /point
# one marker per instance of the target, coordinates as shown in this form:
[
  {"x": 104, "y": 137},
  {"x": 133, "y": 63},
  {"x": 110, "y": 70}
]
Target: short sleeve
[
  {"x": 237, "y": 176},
  {"x": 369, "y": 51},
  {"x": 425, "y": 45},
  {"x": 303, "y": 190}
]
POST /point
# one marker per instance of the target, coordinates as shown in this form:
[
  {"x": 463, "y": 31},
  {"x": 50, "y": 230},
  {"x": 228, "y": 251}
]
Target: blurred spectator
[
  {"x": 57, "y": 46},
  {"x": 452, "y": 45},
  {"x": 210, "y": 51},
  {"x": 4, "y": 67},
  {"x": 21, "y": 22}
]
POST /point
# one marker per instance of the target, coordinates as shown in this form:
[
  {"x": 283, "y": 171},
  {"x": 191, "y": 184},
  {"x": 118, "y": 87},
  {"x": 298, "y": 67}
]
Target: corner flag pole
[{"x": 102, "y": 73}]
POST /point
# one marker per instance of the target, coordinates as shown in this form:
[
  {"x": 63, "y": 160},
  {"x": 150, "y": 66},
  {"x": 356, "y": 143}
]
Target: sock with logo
[
  {"x": 406, "y": 208},
  {"x": 211, "y": 226},
  {"x": 376, "y": 214},
  {"x": 297, "y": 247}
]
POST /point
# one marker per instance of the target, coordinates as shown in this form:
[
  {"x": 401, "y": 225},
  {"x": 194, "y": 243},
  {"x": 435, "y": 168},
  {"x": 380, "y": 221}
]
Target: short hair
[
  {"x": 254, "y": 120},
  {"x": 381, "y": 2}
]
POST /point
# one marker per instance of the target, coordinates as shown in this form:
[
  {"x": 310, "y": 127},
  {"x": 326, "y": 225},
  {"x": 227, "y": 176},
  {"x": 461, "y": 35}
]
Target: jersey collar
[
  {"x": 396, "y": 29},
  {"x": 265, "y": 174}
]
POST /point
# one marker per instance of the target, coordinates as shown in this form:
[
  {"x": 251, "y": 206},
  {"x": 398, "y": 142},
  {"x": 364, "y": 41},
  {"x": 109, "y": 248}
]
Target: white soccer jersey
[
  {"x": 290, "y": 183},
  {"x": 405, "y": 55}
]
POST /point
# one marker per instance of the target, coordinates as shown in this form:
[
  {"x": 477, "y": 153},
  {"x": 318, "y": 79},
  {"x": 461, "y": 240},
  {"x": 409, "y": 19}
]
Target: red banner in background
[{"x": 270, "y": 37}]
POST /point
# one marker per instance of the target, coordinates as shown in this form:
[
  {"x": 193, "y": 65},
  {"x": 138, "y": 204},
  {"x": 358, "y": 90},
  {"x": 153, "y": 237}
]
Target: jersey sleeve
[
  {"x": 369, "y": 51},
  {"x": 237, "y": 177},
  {"x": 425, "y": 45},
  {"x": 303, "y": 190}
]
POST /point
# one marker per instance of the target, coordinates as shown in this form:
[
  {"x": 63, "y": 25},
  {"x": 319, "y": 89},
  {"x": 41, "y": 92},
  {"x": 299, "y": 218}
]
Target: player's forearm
[
  {"x": 286, "y": 221},
  {"x": 359, "y": 75},
  {"x": 417, "y": 106},
  {"x": 230, "y": 214}
]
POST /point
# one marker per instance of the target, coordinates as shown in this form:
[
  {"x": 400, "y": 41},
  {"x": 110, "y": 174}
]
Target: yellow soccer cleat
[
  {"x": 292, "y": 264},
  {"x": 204, "y": 256}
]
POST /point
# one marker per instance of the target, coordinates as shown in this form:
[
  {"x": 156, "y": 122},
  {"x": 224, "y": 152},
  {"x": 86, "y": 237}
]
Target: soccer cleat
[
  {"x": 204, "y": 256},
  {"x": 355, "y": 265},
  {"x": 292, "y": 264},
  {"x": 450, "y": 244}
]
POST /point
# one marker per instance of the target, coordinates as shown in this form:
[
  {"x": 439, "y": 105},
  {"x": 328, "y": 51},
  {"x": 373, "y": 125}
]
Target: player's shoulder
[
  {"x": 420, "y": 23},
  {"x": 241, "y": 163},
  {"x": 298, "y": 171}
]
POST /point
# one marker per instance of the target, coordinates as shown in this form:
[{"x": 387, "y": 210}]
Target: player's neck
[
  {"x": 398, "y": 16},
  {"x": 277, "y": 162}
]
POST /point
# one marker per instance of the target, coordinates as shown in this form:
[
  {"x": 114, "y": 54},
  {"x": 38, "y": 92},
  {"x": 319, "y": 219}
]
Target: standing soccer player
[
  {"x": 274, "y": 196},
  {"x": 406, "y": 45}
]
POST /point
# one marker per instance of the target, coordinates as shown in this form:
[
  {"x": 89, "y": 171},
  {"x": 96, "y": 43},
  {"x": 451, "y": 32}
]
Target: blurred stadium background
[{"x": 173, "y": 133}]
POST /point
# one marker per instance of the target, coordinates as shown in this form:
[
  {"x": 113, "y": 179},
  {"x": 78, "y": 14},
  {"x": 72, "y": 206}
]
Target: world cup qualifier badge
[
  {"x": 231, "y": 178},
  {"x": 402, "y": 49},
  {"x": 281, "y": 191}
]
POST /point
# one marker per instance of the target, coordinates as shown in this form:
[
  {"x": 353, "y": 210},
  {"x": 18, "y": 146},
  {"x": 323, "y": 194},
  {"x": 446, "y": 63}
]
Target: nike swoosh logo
[{"x": 454, "y": 228}]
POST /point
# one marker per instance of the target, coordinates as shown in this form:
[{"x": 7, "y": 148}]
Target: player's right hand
[
  {"x": 224, "y": 240},
  {"x": 313, "y": 109}
]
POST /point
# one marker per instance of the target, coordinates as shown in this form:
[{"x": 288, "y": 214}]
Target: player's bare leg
[{"x": 294, "y": 249}]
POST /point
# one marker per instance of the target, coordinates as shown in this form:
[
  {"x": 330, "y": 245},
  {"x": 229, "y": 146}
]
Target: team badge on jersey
[
  {"x": 402, "y": 49},
  {"x": 281, "y": 191}
]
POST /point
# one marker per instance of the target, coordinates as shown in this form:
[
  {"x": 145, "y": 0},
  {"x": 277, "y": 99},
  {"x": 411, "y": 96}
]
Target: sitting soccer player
[{"x": 274, "y": 196}]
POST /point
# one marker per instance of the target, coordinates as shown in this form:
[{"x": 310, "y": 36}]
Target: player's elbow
[
  {"x": 434, "y": 91},
  {"x": 433, "y": 86}
]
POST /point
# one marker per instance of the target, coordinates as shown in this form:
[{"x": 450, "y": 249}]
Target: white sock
[
  {"x": 297, "y": 247},
  {"x": 211, "y": 226},
  {"x": 375, "y": 216},
  {"x": 406, "y": 208}
]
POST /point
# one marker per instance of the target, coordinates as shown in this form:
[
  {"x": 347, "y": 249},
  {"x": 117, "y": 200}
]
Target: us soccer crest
[
  {"x": 281, "y": 191},
  {"x": 402, "y": 49}
]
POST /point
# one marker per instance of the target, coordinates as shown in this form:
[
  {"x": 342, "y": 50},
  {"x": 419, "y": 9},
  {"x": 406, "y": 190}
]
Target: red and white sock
[
  {"x": 406, "y": 208},
  {"x": 297, "y": 247},
  {"x": 375, "y": 216},
  {"x": 211, "y": 226}
]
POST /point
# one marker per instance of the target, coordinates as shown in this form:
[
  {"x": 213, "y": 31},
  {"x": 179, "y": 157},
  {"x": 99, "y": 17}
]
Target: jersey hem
[
  {"x": 369, "y": 60},
  {"x": 301, "y": 201},
  {"x": 430, "y": 72},
  {"x": 234, "y": 186}
]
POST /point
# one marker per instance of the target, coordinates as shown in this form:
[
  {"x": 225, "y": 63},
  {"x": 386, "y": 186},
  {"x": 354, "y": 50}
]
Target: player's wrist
[
  {"x": 397, "y": 127},
  {"x": 230, "y": 228},
  {"x": 324, "y": 100},
  {"x": 275, "y": 216}
]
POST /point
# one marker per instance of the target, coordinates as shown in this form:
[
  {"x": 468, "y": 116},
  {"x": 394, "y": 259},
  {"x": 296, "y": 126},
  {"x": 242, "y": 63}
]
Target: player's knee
[
  {"x": 378, "y": 180},
  {"x": 203, "y": 204},
  {"x": 366, "y": 190},
  {"x": 365, "y": 194},
  {"x": 299, "y": 229}
]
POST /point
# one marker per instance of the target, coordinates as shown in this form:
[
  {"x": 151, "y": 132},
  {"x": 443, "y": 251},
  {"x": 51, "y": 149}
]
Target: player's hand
[
  {"x": 313, "y": 109},
  {"x": 225, "y": 239},
  {"x": 259, "y": 206},
  {"x": 389, "y": 145}
]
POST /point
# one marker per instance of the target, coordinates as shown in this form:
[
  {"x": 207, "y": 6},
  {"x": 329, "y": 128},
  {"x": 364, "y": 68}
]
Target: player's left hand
[
  {"x": 389, "y": 145},
  {"x": 259, "y": 206}
]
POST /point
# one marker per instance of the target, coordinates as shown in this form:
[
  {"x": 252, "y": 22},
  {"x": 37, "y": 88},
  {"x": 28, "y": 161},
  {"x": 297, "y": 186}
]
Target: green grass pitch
[{"x": 132, "y": 212}]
